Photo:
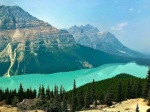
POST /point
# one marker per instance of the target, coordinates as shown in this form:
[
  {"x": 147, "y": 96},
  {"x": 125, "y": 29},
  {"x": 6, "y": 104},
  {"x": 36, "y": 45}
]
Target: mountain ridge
[
  {"x": 90, "y": 36},
  {"x": 37, "y": 47},
  {"x": 13, "y": 17}
]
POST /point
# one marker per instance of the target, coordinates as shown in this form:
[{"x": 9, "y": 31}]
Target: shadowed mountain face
[
  {"x": 104, "y": 41},
  {"x": 29, "y": 45}
]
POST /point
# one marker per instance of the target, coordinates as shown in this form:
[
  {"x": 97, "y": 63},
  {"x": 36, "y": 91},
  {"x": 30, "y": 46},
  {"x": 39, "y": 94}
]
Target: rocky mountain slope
[
  {"x": 104, "y": 41},
  {"x": 29, "y": 45},
  {"x": 22, "y": 34}
]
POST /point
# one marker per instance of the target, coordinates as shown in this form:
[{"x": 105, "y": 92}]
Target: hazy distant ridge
[{"x": 90, "y": 36}]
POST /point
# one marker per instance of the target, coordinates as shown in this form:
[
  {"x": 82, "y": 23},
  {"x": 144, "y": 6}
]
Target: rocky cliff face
[
  {"x": 20, "y": 32},
  {"x": 87, "y": 32},
  {"x": 12, "y": 17},
  {"x": 104, "y": 41}
]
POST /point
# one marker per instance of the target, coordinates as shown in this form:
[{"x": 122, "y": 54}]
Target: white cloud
[
  {"x": 120, "y": 26},
  {"x": 131, "y": 9}
]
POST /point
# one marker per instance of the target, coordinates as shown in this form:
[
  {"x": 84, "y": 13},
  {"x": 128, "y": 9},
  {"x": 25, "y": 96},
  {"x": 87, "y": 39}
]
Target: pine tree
[
  {"x": 52, "y": 94},
  {"x": 134, "y": 90},
  {"x": 137, "y": 108},
  {"x": 31, "y": 93},
  {"x": 73, "y": 103},
  {"x": 64, "y": 104},
  {"x": 39, "y": 91},
  {"x": 61, "y": 93},
  {"x": 87, "y": 99},
  {"x": 119, "y": 92},
  {"x": 148, "y": 73},
  {"x": 11, "y": 97},
  {"x": 103, "y": 98},
  {"x": 42, "y": 93},
  {"x": 95, "y": 102},
  {"x": 20, "y": 93},
  {"x": 93, "y": 91},
  {"x": 80, "y": 99},
  {"x": 28, "y": 95},
  {"x": 129, "y": 90},
  {"x": 74, "y": 98},
  {"x": 139, "y": 89},
  {"x": 56, "y": 107},
  {"x": 7, "y": 96},
  {"x": 55, "y": 90},
  {"x": 147, "y": 85},
  {"x": 1, "y": 95},
  {"x": 109, "y": 96},
  {"x": 148, "y": 98},
  {"x": 48, "y": 93},
  {"x": 14, "y": 92},
  {"x": 41, "y": 100},
  {"x": 34, "y": 93}
]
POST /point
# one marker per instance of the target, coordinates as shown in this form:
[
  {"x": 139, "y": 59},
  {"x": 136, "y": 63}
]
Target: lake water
[{"x": 66, "y": 78}]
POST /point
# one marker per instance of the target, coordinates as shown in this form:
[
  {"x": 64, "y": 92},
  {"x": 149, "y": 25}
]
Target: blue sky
[{"x": 129, "y": 20}]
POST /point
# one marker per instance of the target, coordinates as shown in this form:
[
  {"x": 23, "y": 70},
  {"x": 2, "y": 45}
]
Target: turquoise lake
[{"x": 66, "y": 78}]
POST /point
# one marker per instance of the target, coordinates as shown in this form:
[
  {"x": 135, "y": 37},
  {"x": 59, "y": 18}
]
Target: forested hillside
[{"x": 116, "y": 89}]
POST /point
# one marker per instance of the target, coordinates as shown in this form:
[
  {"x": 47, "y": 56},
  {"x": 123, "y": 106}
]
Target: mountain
[
  {"x": 104, "y": 41},
  {"x": 23, "y": 36},
  {"x": 29, "y": 45}
]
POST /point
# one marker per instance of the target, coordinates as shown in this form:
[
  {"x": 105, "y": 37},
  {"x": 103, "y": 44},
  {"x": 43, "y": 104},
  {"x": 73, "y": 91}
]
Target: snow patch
[
  {"x": 100, "y": 33},
  {"x": 122, "y": 51}
]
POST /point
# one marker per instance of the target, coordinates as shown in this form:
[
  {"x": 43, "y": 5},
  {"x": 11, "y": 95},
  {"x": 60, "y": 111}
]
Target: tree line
[{"x": 115, "y": 89}]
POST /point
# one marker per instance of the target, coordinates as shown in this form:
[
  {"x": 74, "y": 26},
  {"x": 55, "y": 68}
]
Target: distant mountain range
[
  {"x": 29, "y": 45},
  {"x": 104, "y": 41}
]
